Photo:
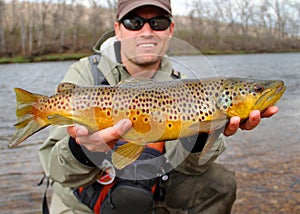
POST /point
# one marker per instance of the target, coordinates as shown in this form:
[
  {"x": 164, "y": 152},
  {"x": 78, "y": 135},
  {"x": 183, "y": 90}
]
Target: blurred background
[
  {"x": 41, "y": 27},
  {"x": 41, "y": 39}
]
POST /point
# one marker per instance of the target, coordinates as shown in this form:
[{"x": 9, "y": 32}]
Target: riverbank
[
  {"x": 77, "y": 56},
  {"x": 44, "y": 58}
]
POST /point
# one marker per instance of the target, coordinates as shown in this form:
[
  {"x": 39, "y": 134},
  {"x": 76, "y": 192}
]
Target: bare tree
[
  {"x": 215, "y": 15},
  {"x": 229, "y": 16},
  {"x": 44, "y": 11},
  {"x": 112, "y": 6},
  {"x": 278, "y": 9},
  {"x": 266, "y": 20},
  {"x": 295, "y": 21},
  {"x": 23, "y": 31},
  {"x": 63, "y": 24},
  {"x": 14, "y": 15},
  {"x": 77, "y": 13},
  {"x": 2, "y": 30},
  {"x": 197, "y": 26},
  {"x": 245, "y": 13},
  {"x": 292, "y": 16},
  {"x": 30, "y": 28},
  {"x": 94, "y": 18}
]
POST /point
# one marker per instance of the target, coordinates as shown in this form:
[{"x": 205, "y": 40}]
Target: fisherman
[{"x": 192, "y": 186}]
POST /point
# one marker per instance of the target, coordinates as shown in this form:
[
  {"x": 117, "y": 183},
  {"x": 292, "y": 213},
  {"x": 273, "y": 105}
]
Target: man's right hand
[{"x": 100, "y": 141}]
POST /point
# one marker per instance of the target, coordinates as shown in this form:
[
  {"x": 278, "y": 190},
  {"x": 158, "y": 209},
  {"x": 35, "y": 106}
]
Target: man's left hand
[{"x": 253, "y": 120}]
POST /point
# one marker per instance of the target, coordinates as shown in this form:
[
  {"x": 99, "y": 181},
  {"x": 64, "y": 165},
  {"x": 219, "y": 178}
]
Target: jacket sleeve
[{"x": 57, "y": 159}]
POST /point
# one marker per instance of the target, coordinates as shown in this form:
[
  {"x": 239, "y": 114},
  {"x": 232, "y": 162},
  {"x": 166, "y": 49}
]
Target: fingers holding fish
[
  {"x": 255, "y": 117},
  {"x": 99, "y": 141},
  {"x": 112, "y": 134},
  {"x": 252, "y": 121},
  {"x": 249, "y": 124},
  {"x": 269, "y": 112},
  {"x": 232, "y": 126}
]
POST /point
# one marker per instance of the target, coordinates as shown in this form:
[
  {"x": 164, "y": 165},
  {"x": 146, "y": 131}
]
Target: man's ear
[
  {"x": 117, "y": 30},
  {"x": 172, "y": 26}
]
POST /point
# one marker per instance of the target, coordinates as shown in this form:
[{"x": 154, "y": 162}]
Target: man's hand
[
  {"x": 253, "y": 120},
  {"x": 100, "y": 141}
]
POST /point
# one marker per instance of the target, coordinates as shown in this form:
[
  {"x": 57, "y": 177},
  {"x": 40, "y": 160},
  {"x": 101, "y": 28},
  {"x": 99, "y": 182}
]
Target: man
[{"x": 146, "y": 26}]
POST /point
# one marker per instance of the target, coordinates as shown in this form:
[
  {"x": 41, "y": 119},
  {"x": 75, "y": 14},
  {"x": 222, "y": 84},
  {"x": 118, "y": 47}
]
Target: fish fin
[
  {"x": 66, "y": 86},
  {"x": 130, "y": 80},
  {"x": 28, "y": 121},
  {"x": 57, "y": 119},
  {"x": 209, "y": 125},
  {"x": 126, "y": 154}
]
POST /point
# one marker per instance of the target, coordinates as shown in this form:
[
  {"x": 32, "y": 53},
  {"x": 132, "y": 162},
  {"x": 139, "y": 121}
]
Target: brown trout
[{"x": 159, "y": 111}]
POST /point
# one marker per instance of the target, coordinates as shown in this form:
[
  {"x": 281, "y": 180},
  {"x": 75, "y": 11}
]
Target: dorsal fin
[
  {"x": 66, "y": 86},
  {"x": 133, "y": 82},
  {"x": 130, "y": 80}
]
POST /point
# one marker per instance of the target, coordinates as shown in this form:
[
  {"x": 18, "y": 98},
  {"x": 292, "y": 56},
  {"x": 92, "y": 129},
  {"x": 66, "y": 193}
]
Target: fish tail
[{"x": 29, "y": 119}]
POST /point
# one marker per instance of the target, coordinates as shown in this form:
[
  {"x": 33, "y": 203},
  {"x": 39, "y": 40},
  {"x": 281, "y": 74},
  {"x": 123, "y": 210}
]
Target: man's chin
[{"x": 147, "y": 59}]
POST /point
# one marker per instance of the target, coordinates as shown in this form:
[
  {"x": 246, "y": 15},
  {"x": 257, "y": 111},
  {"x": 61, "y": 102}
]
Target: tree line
[{"x": 31, "y": 28}]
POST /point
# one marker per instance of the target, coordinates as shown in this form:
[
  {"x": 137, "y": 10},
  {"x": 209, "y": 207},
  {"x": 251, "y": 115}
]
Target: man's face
[{"x": 145, "y": 46}]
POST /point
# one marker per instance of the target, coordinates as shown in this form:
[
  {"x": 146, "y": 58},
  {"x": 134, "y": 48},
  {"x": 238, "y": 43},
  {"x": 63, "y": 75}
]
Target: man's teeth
[{"x": 146, "y": 45}]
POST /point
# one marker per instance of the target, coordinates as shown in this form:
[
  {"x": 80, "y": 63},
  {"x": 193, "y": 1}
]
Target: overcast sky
[{"x": 178, "y": 6}]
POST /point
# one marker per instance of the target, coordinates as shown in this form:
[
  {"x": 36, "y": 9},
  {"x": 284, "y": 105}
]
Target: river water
[{"x": 266, "y": 160}]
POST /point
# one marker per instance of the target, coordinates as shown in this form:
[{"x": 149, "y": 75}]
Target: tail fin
[{"x": 28, "y": 121}]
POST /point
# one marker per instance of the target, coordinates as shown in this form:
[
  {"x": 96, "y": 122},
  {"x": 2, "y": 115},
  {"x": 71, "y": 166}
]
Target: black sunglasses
[{"x": 158, "y": 23}]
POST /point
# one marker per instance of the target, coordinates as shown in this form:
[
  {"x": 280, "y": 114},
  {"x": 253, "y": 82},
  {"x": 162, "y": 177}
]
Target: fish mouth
[
  {"x": 271, "y": 96},
  {"x": 280, "y": 89}
]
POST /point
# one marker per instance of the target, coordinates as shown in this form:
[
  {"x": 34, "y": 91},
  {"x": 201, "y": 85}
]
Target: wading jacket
[{"x": 66, "y": 172}]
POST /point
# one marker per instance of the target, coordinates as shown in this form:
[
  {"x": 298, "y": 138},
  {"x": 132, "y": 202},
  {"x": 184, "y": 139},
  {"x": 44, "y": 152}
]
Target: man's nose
[{"x": 146, "y": 29}]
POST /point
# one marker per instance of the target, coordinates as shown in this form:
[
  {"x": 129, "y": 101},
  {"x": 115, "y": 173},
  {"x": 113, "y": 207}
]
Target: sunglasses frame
[{"x": 143, "y": 21}]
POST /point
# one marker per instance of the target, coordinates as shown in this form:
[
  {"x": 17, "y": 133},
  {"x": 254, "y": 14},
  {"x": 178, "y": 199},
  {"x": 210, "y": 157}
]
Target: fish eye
[{"x": 259, "y": 88}]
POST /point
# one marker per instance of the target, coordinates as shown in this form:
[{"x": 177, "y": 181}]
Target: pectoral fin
[{"x": 126, "y": 154}]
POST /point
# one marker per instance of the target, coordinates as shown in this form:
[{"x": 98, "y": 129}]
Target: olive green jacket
[{"x": 62, "y": 167}]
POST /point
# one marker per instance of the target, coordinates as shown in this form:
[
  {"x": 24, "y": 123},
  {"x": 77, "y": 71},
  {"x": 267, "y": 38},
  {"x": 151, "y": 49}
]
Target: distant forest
[{"x": 33, "y": 28}]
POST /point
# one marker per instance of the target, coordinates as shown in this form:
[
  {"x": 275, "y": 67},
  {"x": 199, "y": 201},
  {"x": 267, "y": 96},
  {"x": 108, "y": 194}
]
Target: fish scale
[{"x": 158, "y": 110}]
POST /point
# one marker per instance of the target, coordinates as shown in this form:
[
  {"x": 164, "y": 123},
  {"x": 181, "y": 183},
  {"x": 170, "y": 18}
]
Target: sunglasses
[{"x": 158, "y": 23}]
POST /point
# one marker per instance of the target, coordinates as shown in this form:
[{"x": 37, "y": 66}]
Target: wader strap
[
  {"x": 99, "y": 78},
  {"x": 45, "y": 209},
  {"x": 175, "y": 74}
]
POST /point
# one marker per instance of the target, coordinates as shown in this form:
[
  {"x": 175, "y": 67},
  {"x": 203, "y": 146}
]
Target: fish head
[{"x": 240, "y": 96}]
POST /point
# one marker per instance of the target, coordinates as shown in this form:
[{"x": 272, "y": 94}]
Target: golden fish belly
[{"x": 145, "y": 127}]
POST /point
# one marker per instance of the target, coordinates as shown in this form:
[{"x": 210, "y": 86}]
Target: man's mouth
[{"x": 146, "y": 45}]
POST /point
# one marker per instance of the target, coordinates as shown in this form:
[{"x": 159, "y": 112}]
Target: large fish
[{"x": 159, "y": 111}]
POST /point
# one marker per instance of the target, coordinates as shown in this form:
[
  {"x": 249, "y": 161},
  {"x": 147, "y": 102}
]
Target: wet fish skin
[{"x": 159, "y": 111}]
